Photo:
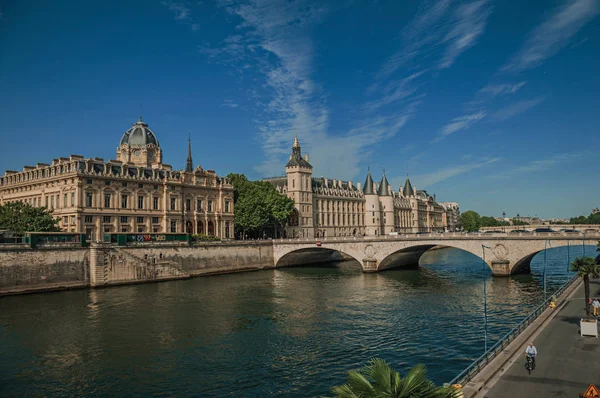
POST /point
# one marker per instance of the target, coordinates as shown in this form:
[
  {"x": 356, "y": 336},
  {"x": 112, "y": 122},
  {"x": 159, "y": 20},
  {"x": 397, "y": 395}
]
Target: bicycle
[{"x": 530, "y": 365}]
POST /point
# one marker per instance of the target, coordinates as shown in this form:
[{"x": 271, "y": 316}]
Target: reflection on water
[{"x": 291, "y": 332}]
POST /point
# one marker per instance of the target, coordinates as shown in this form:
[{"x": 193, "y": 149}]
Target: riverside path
[{"x": 566, "y": 363}]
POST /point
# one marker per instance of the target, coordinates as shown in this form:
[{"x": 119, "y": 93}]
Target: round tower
[
  {"x": 386, "y": 201},
  {"x": 372, "y": 208}
]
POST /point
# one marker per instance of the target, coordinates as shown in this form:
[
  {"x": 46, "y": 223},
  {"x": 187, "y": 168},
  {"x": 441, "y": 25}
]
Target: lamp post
[
  {"x": 483, "y": 247},
  {"x": 568, "y": 256},
  {"x": 544, "y": 276},
  {"x": 583, "y": 242}
]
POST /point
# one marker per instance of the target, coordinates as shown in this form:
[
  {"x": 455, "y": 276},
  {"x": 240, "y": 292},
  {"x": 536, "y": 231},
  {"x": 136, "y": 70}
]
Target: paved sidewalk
[{"x": 566, "y": 363}]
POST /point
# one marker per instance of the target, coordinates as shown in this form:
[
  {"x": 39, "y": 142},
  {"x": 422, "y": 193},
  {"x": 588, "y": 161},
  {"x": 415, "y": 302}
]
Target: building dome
[{"x": 139, "y": 135}]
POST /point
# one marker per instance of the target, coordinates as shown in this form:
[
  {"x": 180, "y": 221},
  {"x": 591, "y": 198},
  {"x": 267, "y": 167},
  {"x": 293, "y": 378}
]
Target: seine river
[{"x": 285, "y": 333}]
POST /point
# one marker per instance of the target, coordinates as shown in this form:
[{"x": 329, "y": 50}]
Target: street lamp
[
  {"x": 568, "y": 255},
  {"x": 544, "y": 277},
  {"x": 483, "y": 247},
  {"x": 583, "y": 242}
]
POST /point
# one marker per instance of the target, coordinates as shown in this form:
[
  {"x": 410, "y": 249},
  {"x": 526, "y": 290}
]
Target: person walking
[{"x": 596, "y": 305}]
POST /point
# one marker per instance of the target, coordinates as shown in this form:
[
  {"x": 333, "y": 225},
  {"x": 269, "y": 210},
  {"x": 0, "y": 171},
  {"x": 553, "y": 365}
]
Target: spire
[
  {"x": 384, "y": 186},
  {"x": 408, "y": 189},
  {"x": 189, "y": 165},
  {"x": 368, "y": 188}
]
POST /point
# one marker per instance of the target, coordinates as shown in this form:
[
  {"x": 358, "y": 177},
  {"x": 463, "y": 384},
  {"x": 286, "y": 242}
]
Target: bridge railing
[{"x": 472, "y": 370}]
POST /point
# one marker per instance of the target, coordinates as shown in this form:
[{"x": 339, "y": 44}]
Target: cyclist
[{"x": 531, "y": 351}]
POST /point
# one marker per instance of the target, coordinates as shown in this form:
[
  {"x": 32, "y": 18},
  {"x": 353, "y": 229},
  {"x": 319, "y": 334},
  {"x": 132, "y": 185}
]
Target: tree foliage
[
  {"x": 22, "y": 217},
  {"x": 470, "y": 221},
  {"x": 586, "y": 268},
  {"x": 378, "y": 379},
  {"x": 492, "y": 222},
  {"x": 259, "y": 207},
  {"x": 591, "y": 219}
]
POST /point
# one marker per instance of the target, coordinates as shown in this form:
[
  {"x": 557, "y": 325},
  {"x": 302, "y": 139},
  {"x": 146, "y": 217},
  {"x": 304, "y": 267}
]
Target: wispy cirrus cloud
[
  {"x": 502, "y": 89},
  {"x": 548, "y": 163},
  {"x": 438, "y": 35},
  {"x": 467, "y": 25},
  {"x": 274, "y": 37},
  {"x": 543, "y": 164},
  {"x": 228, "y": 103},
  {"x": 553, "y": 34},
  {"x": 180, "y": 10},
  {"x": 460, "y": 123},
  {"x": 428, "y": 179},
  {"x": 517, "y": 108}
]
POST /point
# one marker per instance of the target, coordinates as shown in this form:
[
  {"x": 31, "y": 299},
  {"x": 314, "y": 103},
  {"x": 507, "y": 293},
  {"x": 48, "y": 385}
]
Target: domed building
[
  {"x": 134, "y": 193},
  {"x": 139, "y": 146}
]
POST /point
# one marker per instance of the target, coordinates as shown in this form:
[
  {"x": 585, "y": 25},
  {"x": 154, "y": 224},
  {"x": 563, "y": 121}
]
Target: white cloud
[
  {"x": 502, "y": 89},
  {"x": 467, "y": 25},
  {"x": 553, "y": 34},
  {"x": 228, "y": 103},
  {"x": 274, "y": 37},
  {"x": 462, "y": 122},
  {"x": 437, "y": 29},
  {"x": 428, "y": 179},
  {"x": 548, "y": 163},
  {"x": 180, "y": 10},
  {"x": 517, "y": 108}
]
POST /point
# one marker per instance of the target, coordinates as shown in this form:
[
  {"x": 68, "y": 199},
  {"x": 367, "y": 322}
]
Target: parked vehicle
[
  {"x": 544, "y": 230},
  {"x": 519, "y": 231}
]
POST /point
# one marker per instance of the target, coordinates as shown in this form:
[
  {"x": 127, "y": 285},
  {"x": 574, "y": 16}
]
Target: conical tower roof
[
  {"x": 384, "y": 186},
  {"x": 408, "y": 188},
  {"x": 368, "y": 188}
]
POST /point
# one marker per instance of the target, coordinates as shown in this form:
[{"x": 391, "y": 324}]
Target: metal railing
[{"x": 478, "y": 365}]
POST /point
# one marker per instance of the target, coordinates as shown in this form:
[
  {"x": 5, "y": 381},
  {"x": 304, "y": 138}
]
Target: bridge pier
[
  {"x": 370, "y": 265},
  {"x": 500, "y": 267}
]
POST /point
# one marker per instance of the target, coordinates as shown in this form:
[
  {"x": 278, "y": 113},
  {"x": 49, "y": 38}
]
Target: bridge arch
[
  {"x": 313, "y": 255},
  {"x": 408, "y": 257}
]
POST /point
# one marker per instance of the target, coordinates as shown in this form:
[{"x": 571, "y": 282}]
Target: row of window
[
  {"x": 124, "y": 219},
  {"x": 89, "y": 181},
  {"x": 89, "y": 197}
]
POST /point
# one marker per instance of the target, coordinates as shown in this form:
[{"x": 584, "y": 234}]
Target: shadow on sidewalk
[{"x": 541, "y": 380}]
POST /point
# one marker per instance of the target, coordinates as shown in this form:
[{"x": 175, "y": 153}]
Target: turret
[
  {"x": 372, "y": 209},
  {"x": 386, "y": 201}
]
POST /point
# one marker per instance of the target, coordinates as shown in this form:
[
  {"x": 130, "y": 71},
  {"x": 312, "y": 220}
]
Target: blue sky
[{"x": 493, "y": 104}]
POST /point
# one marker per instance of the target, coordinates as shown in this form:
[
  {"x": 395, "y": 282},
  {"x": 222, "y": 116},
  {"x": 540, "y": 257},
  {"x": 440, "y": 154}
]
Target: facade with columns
[
  {"x": 329, "y": 207},
  {"x": 137, "y": 192}
]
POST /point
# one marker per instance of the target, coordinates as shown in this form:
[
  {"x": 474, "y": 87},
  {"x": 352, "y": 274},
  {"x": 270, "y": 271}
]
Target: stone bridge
[{"x": 504, "y": 254}]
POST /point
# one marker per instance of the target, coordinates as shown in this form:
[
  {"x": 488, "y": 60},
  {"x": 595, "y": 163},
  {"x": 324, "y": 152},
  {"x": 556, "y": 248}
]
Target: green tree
[
  {"x": 470, "y": 221},
  {"x": 22, "y": 217},
  {"x": 378, "y": 380},
  {"x": 258, "y": 206},
  {"x": 586, "y": 268}
]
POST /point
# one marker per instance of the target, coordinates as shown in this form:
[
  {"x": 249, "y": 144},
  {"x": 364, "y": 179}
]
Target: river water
[{"x": 287, "y": 333}]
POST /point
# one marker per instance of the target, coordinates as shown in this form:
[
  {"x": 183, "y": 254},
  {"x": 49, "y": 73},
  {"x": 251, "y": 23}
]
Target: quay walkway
[{"x": 566, "y": 363}]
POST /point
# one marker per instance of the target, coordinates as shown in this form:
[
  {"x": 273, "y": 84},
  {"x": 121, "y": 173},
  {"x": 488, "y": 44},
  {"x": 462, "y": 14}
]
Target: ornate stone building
[
  {"x": 137, "y": 192},
  {"x": 452, "y": 214},
  {"x": 329, "y": 207}
]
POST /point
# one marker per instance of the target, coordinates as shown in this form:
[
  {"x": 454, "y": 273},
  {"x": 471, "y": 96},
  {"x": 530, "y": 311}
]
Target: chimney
[
  {"x": 306, "y": 157},
  {"x": 358, "y": 185}
]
